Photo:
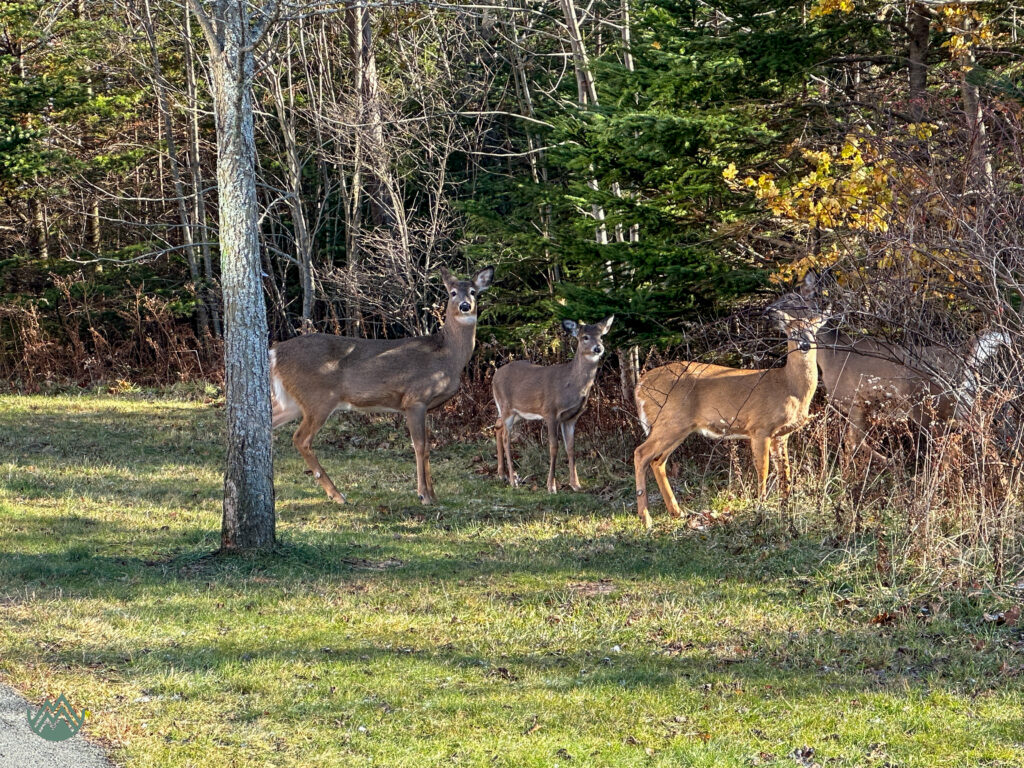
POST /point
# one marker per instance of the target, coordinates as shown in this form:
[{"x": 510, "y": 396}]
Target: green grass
[{"x": 500, "y": 628}]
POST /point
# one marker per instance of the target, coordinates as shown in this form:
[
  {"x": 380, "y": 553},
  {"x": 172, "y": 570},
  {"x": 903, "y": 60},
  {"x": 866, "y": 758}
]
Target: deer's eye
[
  {"x": 453, "y": 294},
  {"x": 472, "y": 291},
  {"x": 586, "y": 338}
]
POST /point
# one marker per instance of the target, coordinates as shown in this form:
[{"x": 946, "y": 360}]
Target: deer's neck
[
  {"x": 802, "y": 372},
  {"x": 582, "y": 369},
  {"x": 458, "y": 337}
]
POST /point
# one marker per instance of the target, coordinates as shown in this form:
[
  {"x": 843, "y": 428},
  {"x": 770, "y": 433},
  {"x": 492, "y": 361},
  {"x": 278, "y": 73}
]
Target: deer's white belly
[
  {"x": 343, "y": 406},
  {"x": 529, "y": 416},
  {"x": 724, "y": 434}
]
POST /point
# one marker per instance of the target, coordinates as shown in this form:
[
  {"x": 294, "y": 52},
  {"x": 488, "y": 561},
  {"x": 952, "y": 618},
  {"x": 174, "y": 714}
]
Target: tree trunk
[
  {"x": 38, "y": 241},
  {"x": 163, "y": 104},
  {"x": 918, "y": 33},
  {"x": 386, "y": 209},
  {"x": 303, "y": 239},
  {"x": 977, "y": 135},
  {"x": 248, "y": 521},
  {"x": 586, "y": 91},
  {"x": 94, "y": 235},
  {"x": 199, "y": 225}
]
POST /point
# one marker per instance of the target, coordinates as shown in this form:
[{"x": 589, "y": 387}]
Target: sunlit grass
[{"x": 501, "y": 627}]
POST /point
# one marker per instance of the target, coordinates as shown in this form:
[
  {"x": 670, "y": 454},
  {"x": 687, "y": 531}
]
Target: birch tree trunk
[
  {"x": 163, "y": 104},
  {"x": 978, "y": 136},
  {"x": 629, "y": 357},
  {"x": 232, "y": 31},
  {"x": 196, "y": 170},
  {"x": 293, "y": 161},
  {"x": 386, "y": 209},
  {"x": 586, "y": 94}
]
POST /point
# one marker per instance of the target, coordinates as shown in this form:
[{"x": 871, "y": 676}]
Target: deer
[
  {"x": 315, "y": 375},
  {"x": 762, "y": 406},
  {"x": 924, "y": 384},
  {"x": 554, "y": 394}
]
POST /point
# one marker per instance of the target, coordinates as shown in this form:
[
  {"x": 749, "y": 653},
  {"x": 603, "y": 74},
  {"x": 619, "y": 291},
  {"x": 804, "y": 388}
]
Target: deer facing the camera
[
  {"x": 762, "y": 406},
  {"x": 554, "y": 394},
  {"x": 313, "y": 376}
]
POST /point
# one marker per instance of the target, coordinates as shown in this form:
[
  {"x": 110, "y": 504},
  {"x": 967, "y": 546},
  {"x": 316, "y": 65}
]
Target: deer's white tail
[
  {"x": 643, "y": 415},
  {"x": 983, "y": 348},
  {"x": 285, "y": 408}
]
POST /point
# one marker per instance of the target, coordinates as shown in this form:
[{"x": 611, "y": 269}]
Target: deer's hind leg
[
  {"x": 504, "y": 428},
  {"x": 661, "y": 477},
  {"x": 312, "y": 421},
  {"x": 657, "y": 448},
  {"x": 499, "y": 440}
]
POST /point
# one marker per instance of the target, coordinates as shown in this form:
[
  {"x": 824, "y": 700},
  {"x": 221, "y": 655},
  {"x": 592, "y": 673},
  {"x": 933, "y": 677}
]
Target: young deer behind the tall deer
[
  {"x": 315, "y": 375},
  {"x": 555, "y": 394}
]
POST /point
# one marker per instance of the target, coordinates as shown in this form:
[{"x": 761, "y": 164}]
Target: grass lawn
[{"x": 500, "y": 628}]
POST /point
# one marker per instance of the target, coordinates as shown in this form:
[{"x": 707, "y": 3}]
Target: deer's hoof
[
  {"x": 645, "y": 520},
  {"x": 337, "y": 498},
  {"x": 697, "y": 523},
  {"x": 576, "y": 486}
]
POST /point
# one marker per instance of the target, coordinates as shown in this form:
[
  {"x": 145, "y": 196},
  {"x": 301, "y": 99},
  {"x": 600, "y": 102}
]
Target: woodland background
[{"x": 671, "y": 162}]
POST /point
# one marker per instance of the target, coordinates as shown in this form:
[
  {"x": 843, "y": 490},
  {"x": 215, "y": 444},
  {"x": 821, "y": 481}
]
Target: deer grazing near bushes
[
  {"x": 923, "y": 385},
  {"x": 313, "y": 376},
  {"x": 762, "y": 406},
  {"x": 556, "y": 394}
]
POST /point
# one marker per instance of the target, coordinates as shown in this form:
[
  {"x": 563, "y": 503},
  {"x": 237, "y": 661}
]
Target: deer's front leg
[
  {"x": 761, "y": 447},
  {"x": 552, "y": 426},
  {"x": 416, "y": 416},
  {"x": 569, "y": 438},
  {"x": 782, "y": 461}
]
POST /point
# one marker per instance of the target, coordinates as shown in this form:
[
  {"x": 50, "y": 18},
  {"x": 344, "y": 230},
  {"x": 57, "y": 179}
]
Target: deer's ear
[
  {"x": 607, "y": 323},
  {"x": 571, "y": 327},
  {"x": 482, "y": 279},
  {"x": 448, "y": 279}
]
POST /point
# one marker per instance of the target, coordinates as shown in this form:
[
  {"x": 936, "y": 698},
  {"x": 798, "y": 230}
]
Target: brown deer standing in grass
[
  {"x": 556, "y": 394},
  {"x": 762, "y": 406},
  {"x": 924, "y": 384},
  {"x": 315, "y": 375}
]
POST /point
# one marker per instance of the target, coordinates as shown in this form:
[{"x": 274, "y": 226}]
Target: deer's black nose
[
  {"x": 465, "y": 306},
  {"x": 805, "y": 346},
  {"x": 598, "y": 349}
]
